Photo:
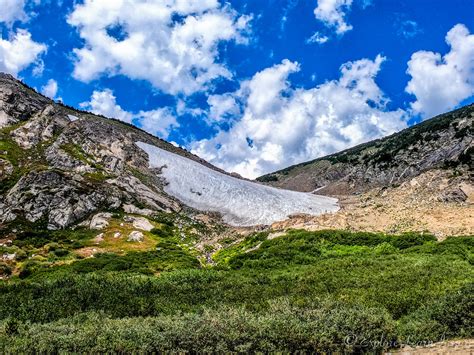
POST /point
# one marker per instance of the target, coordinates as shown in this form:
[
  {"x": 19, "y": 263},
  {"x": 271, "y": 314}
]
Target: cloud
[
  {"x": 407, "y": 28},
  {"x": 19, "y": 52},
  {"x": 282, "y": 125},
  {"x": 332, "y": 13},
  {"x": 222, "y": 107},
  {"x": 438, "y": 82},
  {"x": 172, "y": 44},
  {"x": 317, "y": 38},
  {"x": 105, "y": 103},
  {"x": 50, "y": 89},
  {"x": 158, "y": 122},
  {"x": 12, "y": 11}
]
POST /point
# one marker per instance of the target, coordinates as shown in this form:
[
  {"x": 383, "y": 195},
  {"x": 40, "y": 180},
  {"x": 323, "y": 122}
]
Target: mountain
[
  {"x": 60, "y": 166},
  {"x": 419, "y": 179},
  {"x": 112, "y": 240},
  {"x": 443, "y": 142}
]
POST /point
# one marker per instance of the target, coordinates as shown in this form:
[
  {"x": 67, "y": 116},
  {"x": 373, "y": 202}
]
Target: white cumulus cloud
[
  {"x": 50, "y": 89},
  {"x": 105, "y": 103},
  {"x": 441, "y": 82},
  {"x": 18, "y": 52},
  {"x": 158, "y": 122},
  {"x": 12, "y": 10},
  {"x": 332, "y": 13},
  {"x": 171, "y": 43},
  {"x": 282, "y": 125}
]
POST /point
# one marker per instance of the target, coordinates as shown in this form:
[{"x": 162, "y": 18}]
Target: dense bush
[
  {"x": 33, "y": 237},
  {"x": 309, "y": 291},
  {"x": 327, "y": 326}
]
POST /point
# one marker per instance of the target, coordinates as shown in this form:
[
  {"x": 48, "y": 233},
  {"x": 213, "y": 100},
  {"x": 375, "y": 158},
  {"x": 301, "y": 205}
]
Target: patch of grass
[
  {"x": 76, "y": 152},
  {"x": 22, "y": 160},
  {"x": 223, "y": 256},
  {"x": 97, "y": 176}
]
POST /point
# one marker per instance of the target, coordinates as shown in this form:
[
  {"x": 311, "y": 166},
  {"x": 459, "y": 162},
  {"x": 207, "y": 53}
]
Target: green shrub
[
  {"x": 61, "y": 252},
  {"x": 385, "y": 248},
  {"x": 5, "y": 270},
  {"x": 164, "y": 232},
  {"x": 12, "y": 327}
]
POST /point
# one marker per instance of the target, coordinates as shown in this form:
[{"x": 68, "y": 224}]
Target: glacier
[{"x": 240, "y": 202}]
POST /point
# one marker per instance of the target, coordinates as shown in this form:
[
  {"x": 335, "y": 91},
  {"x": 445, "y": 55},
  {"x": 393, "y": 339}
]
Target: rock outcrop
[{"x": 61, "y": 166}]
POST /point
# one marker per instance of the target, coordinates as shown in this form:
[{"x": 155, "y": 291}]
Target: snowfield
[{"x": 241, "y": 203}]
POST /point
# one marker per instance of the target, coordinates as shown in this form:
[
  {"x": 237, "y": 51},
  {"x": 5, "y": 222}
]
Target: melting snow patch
[
  {"x": 241, "y": 203},
  {"x": 72, "y": 118}
]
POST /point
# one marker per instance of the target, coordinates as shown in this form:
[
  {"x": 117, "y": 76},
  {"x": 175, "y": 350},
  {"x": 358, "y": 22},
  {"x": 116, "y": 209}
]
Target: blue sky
[{"x": 251, "y": 86}]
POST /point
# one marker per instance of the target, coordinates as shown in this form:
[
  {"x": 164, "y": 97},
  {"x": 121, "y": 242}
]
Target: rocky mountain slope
[
  {"x": 443, "y": 142},
  {"x": 60, "y": 166},
  {"x": 420, "y": 179}
]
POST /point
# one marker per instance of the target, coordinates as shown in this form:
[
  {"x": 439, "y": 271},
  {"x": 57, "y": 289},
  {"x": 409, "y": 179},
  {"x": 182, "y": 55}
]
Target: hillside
[
  {"x": 420, "y": 179},
  {"x": 59, "y": 166},
  {"x": 443, "y": 142}
]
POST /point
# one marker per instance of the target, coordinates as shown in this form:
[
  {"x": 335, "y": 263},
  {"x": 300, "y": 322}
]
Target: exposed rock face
[
  {"x": 40, "y": 128},
  {"x": 17, "y": 102},
  {"x": 59, "y": 199},
  {"x": 445, "y": 142}
]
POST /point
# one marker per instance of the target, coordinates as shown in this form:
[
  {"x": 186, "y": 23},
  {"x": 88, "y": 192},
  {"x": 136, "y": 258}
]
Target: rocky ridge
[{"x": 445, "y": 142}]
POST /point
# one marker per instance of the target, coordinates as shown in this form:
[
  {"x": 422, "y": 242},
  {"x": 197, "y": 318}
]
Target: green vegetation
[{"x": 307, "y": 291}]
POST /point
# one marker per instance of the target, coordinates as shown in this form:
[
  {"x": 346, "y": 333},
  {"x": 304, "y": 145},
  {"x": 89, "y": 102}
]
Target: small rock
[
  {"x": 99, "y": 238},
  {"x": 100, "y": 220},
  {"x": 117, "y": 235},
  {"x": 135, "y": 210},
  {"x": 142, "y": 223},
  {"x": 128, "y": 219},
  {"x": 9, "y": 257},
  {"x": 135, "y": 236},
  {"x": 453, "y": 195}
]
